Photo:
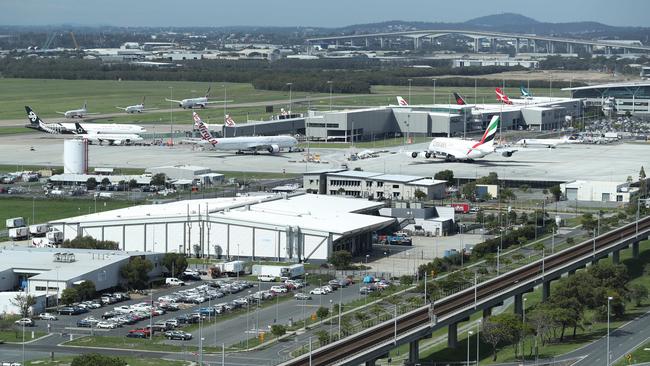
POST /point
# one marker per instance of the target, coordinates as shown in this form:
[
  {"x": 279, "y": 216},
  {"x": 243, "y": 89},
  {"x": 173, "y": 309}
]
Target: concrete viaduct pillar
[
  {"x": 534, "y": 45},
  {"x": 546, "y": 290},
  {"x": 635, "y": 249},
  {"x": 486, "y": 313},
  {"x": 516, "y": 45},
  {"x": 616, "y": 257},
  {"x": 370, "y": 363},
  {"x": 569, "y": 48},
  {"x": 414, "y": 352},
  {"x": 416, "y": 43},
  {"x": 452, "y": 335},
  {"x": 367, "y": 43},
  {"x": 381, "y": 42},
  {"x": 476, "y": 45},
  {"x": 519, "y": 304}
]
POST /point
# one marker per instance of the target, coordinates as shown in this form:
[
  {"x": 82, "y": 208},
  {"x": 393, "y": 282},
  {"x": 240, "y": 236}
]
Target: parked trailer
[
  {"x": 288, "y": 272},
  {"x": 19, "y": 233},
  {"x": 39, "y": 230},
  {"x": 15, "y": 222},
  {"x": 460, "y": 207},
  {"x": 232, "y": 269}
]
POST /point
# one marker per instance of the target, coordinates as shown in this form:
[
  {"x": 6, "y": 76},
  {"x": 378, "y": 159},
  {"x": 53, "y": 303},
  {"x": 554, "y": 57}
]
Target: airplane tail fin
[
  {"x": 34, "y": 120},
  {"x": 143, "y": 98},
  {"x": 207, "y": 93},
  {"x": 229, "y": 122},
  {"x": 490, "y": 132},
  {"x": 203, "y": 129},
  {"x": 401, "y": 101},
  {"x": 459, "y": 99},
  {"x": 79, "y": 130},
  {"x": 502, "y": 97},
  {"x": 85, "y": 103},
  {"x": 525, "y": 92}
]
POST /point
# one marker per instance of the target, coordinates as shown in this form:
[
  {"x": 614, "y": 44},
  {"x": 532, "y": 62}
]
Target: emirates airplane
[
  {"x": 272, "y": 144},
  {"x": 453, "y": 149}
]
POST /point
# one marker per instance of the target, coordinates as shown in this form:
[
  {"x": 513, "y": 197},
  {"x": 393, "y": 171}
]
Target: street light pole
[
  {"x": 171, "y": 116},
  {"x": 469, "y": 336},
  {"x": 410, "y": 80},
  {"x": 434, "y": 91},
  {"x": 290, "y": 101},
  {"x": 330, "y": 83},
  {"x": 609, "y": 298}
]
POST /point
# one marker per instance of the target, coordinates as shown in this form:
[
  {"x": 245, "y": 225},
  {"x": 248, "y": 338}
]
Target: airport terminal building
[{"x": 633, "y": 97}]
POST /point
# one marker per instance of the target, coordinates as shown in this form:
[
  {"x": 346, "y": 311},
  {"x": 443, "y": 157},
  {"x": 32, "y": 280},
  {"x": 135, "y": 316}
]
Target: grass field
[
  {"x": 156, "y": 344},
  {"x": 131, "y": 361},
  {"x": 17, "y": 335},
  {"x": 639, "y": 355},
  {"x": 51, "y": 209},
  {"x": 590, "y": 333}
]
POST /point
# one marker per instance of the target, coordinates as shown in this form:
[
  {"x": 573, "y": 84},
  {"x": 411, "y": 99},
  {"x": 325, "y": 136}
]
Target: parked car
[
  {"x": 318, "y": 291},
  {"x": 106, "y": 325},
  {"x": 136, "y": 334},
  {"x": 302, "y": 296},
  {"x": 178, "y": 334},
  {"x": 48, "y": 316},
  {"x": 279, "y": 289},
  {"x": 25, "y": 322}
]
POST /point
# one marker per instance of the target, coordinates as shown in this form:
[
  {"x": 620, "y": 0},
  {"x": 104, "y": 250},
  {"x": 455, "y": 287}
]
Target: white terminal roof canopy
[{"x": 314, "y": 212}]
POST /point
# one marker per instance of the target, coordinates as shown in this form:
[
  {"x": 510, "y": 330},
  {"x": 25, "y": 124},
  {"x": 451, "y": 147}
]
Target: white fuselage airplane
[
  {"x": 200, "y": 102},
  {"x": 272, "y": 144},
  {"x": 550, "y": 143},
  {"x": 35, "y": 122},
  {"x": 465, "y": 150},
  {"x": 111, "y": 138},
  {"x": 80, "y": 113},
  {"x": 137, "y": 108}
]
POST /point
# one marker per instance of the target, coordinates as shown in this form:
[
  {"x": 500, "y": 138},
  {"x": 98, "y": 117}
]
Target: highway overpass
[{"x": 549, "y": 43}]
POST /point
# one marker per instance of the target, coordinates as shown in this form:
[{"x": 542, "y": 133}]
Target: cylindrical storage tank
[{"x": 75, "y": 156}]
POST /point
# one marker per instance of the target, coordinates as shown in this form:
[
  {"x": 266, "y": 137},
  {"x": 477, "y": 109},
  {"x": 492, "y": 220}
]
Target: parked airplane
[
  {"x": 137, "y": 108},
  {"x": 81, "y": 112},
  {"x": 200, "y": 102},
  {"x": 550, "y": 143},
  {"x": 464, "y": 150},
  {"x": 525, "y": 93},
  {"x": 272, "y": 144},
  {"x": 111, "y": 138},
  {"x": 35, "y": 122}
]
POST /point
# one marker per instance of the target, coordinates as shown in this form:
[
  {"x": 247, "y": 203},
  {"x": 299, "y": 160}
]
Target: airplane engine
[
  {"x": 414, "y": 154},
  {"x": 427, "y": 155},
  {"x": 273, "y": 149},
  {"x": 507, "y": 154},
  {"x": 117, "y": 142}
]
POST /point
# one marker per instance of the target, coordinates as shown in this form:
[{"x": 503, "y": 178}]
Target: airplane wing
[
  {"x": 194, "y": 141},
  {"x": 63, "y": 113},
  {"x": 218, "y": 101},
  {"x": 122, "y": 108},
  {"x": 172, "y": 100}
]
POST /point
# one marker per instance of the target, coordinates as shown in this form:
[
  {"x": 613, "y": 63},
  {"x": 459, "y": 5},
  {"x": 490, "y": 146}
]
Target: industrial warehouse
[{"x": 296, "y": 228}]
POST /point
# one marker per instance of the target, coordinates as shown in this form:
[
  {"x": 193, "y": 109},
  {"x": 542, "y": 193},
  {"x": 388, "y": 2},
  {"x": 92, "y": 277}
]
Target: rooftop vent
[{"x": 64, "y": 257}]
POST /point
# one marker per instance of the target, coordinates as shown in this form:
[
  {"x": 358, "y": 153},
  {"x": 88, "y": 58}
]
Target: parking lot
[{"x": 200, "y": 299}]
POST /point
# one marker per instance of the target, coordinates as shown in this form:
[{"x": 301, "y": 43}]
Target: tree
[
  {"x": 85, "y": 290},
  {"x": 197, "y": 250},
  {"x": 278, "y": 330},
  {"x": 91, "y": 183},
  {"x": 88, "y": 242},
  {"x": 136, "y": 272},
  {"x": 323, "y": 337},
  {"x": 588, "y": 222},
  {"x": 523, "y": 218},
  {"x": 175, "y": 263},
  {"x": 406, "y": 280},
  {"x": 469, "y": 191},
  {"x": 341, "y": 259},
  {"x": 491, "y": 178},
  {"x": 446, "y": 175},
  {"x": 23, "y": 303},
  {"x": 69, "y": 295},
  {"x": 638, "y": 293},
  {"x": 556, "y": 191},
  {"x": 159, "y": 179},
  {"x": 500, "y": 330},
  {"x": 95, "y": 359},
  {"x": 419, "y": 195},
  {"x": 133, "y": 184},
  {"x": 322, "y": 312},
  {"x": 106, "y": 182}
]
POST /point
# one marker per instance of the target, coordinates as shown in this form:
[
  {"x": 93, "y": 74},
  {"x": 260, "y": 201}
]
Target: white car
[
  {"x": 318, "y": 291},
  {"x": 106, "y": 325},
  {"x": 327, "y": 289},
  {"x": 280, "y": 289},
  {"x": 47, "y": 316},
  {"x": 25, "y": 322}
]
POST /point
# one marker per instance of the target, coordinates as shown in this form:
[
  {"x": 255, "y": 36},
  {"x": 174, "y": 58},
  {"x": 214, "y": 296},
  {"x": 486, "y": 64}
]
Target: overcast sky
[{"x": 326, "y": 13}]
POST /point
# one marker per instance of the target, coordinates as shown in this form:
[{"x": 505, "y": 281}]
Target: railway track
[{"x": 388, "y": 331}]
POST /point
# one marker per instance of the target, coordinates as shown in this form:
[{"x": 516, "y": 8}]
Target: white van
[
  {"x": 266, "y": 278},
  {"x": 173, "y": 281}
]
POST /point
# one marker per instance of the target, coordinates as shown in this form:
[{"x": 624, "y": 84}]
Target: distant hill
[{"x": 499, "y": 20}]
